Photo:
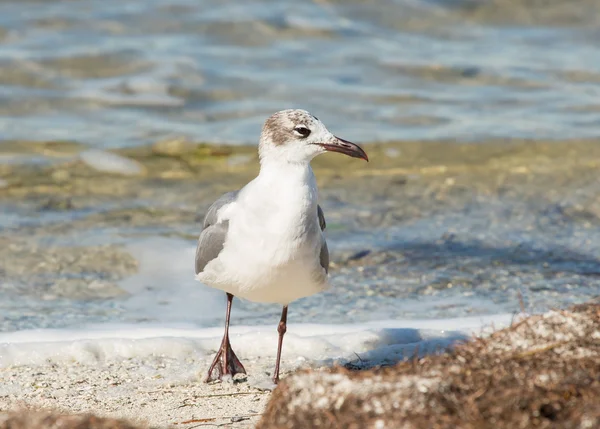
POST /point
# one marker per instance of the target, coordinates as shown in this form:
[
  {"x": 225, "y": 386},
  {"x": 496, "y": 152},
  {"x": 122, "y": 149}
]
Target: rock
[
  {"x": 76, "y": 288},
  {"x": 240, "y": 159},
  {"x": 61, "y": 176},
  {"x": 57, "y": 203},
  {"x": 112, "y": 163},
  {"x": 392, "y": 152},
  {"x": 173, "y": 147},
  {"x": 175, "y": 174}
]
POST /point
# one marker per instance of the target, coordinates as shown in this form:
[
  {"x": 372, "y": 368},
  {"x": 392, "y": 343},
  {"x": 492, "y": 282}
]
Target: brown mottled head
[{"x": 294, "y": 135}]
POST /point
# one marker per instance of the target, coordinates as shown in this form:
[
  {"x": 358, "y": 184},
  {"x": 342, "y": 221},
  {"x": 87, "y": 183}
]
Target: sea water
[
  {"x": 116, "y": 73},
  {"x": 110, "y": 74}
]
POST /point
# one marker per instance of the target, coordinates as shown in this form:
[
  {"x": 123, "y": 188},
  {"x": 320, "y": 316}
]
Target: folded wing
[{"x": 214, "y": 233}]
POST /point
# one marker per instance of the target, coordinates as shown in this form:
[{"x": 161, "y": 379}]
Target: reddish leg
[
  {"x": 281, "y": 330},
  {"x": 225, "y": 362}
]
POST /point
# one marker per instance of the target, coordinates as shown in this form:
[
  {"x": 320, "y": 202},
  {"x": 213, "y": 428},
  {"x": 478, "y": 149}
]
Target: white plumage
[{"x": 265, "y": 243}]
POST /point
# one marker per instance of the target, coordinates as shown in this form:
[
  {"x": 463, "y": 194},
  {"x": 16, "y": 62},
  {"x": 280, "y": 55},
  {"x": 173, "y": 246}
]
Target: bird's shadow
[{"x": 400, "y": 344}]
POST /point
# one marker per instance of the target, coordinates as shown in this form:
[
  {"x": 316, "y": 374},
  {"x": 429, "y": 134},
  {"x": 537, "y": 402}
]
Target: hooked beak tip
[{"x": 346, "y": 147}]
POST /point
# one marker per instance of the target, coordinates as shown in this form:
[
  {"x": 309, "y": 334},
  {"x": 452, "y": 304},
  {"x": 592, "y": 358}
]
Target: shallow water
[
  {"x": 435, "y": 238},
  {"x": 491, "y": 232},
  {"x": 117, "y": 73}
]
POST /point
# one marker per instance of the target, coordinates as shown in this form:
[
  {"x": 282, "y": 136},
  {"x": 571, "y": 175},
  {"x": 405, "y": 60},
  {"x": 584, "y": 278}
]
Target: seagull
[{"x": 265, "y": 242}]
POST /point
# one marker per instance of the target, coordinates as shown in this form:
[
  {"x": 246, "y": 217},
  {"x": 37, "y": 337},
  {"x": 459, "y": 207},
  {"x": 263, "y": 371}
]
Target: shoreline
[
  {"x": 49, "y": 248},
  {"x": 136, "y": 389},
  {"x": 155, "y": 377}
]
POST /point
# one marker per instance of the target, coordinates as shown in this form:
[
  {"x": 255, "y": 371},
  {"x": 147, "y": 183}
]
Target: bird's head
[{"x": 296, "y": 136}]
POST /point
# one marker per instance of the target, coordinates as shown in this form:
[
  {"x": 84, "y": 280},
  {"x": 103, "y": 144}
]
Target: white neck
[
  {"x": 284, "y": 167},
  {"x": 291, "y": 182}
]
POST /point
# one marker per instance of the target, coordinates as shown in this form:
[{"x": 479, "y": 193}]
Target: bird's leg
[
  {"x": 225, "y": 362},
  {"x": 281, "y": 328}
]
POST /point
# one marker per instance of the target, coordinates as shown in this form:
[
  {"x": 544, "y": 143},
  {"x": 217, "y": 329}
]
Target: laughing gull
[{"x": 265, "y": 242}]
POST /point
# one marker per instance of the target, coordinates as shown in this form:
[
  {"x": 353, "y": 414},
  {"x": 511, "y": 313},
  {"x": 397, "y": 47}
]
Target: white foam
[{"x": 375, "y": 342}]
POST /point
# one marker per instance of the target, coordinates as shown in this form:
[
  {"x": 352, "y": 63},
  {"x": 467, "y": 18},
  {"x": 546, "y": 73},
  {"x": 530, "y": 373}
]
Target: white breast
[{"x": 273, "y": 244}]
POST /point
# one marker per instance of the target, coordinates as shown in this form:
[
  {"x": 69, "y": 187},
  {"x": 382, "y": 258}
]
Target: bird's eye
[{"x": 302, "y": 131}]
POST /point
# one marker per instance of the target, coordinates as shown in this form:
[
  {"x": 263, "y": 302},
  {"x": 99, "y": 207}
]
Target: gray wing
[
  {"x": 324, "y": 255},
  {"x": 212, "y": 238}
]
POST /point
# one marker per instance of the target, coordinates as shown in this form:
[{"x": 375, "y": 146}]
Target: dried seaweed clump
[
  {"x": 542, "y": 372},
  {"x": 28, "y": 419}
]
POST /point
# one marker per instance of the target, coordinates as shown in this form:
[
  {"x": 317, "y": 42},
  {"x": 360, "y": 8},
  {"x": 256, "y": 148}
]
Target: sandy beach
[{"x": 136, "y": 390}]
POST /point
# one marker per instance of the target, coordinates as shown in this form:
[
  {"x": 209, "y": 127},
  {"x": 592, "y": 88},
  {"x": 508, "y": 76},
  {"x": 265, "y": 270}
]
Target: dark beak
[{"x": 345, "y": 147}]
